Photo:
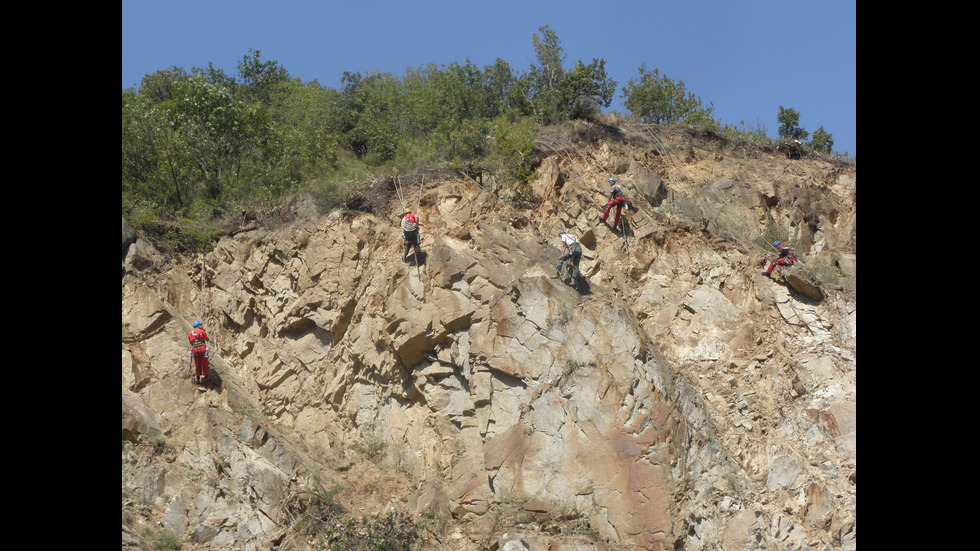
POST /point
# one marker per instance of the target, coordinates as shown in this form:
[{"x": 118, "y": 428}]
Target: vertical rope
[
  {"x": 398, "y": 190},
  {"x": 206, "y": 318},
  {"x": 203, "y": 300}
]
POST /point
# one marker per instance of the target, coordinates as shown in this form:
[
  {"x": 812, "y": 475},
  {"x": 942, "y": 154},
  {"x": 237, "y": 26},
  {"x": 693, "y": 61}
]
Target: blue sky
[{"x": 746, "y": 58}]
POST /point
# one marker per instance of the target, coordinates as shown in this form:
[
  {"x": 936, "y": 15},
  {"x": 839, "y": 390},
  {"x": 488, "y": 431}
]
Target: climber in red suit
[
  {"x": 199, "y": 349},
  {"x": 786, "y": 257}
]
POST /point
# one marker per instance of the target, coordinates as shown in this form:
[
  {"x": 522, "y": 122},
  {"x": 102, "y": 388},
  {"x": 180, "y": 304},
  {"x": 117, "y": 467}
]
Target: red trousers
[
  {"x": 779, "y": 262},
  {"x": 200, "y": 362},
  {"x": 619, "y": 202}
]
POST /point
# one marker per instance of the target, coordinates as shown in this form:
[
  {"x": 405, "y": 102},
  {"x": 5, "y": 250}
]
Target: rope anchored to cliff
[{"x": 401, "y": 196}]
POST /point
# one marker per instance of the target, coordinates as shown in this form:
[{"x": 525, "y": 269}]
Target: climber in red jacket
[
  {"x": 786, "y": 257},
  {"x": 199, "y": 350}
]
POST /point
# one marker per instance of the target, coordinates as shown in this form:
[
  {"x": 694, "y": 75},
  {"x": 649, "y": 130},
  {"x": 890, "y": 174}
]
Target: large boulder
[{"x": 801, "y": 281}]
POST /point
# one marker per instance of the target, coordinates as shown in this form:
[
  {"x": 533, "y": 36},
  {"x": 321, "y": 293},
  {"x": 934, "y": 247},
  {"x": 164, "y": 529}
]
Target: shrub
[
  {"x": 395, "y": 531},
  {"x": 514, "y": 150},
  {"x": 164, "y": 541},
  {"x": 822, "y": 141}
]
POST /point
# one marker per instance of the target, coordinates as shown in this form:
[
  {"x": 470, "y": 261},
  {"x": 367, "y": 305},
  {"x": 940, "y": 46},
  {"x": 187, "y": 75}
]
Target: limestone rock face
[
  {"x": 138, "y": 419},
  {"x": 680, "y": 401}
]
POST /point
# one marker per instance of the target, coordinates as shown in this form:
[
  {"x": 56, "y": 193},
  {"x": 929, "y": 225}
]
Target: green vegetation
[
  {"x": 201, "y": 145},
  {"x": 822, "y": 141},
  {"x": 324, "y": 520},
  {"x": 654, "y": 98},
  {"x": 393, "y": 531},
  {"x": 163, "y": 541},
  {"x": 789, "y": 125}
]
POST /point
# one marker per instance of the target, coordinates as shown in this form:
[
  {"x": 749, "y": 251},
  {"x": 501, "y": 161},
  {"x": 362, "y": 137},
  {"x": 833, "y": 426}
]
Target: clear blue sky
[{"x": 747, "y": 58}]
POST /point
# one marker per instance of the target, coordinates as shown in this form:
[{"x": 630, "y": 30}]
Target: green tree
[
  {"x": 551, "y": 58},
  {"x": 260, "y": 80},
  {"x": 789, "y": 125},
  {"x": 155, "y": 158},
  {"x": 553, "y": 93},
  {"x": 216, "y": 76},
  {"x": 498, "y": 84},
  {"x": 219, "y": 131},
  {"x": 822, "y": 141},
  {"x": 369, "y": 119},
  {"x": 547, "y": 76},
  {"x": 655, "y": 98},
  {"x": 156, "y": 86},
  {"x": 422, "y": 106},
  {"x": 307, "y": 110},
  {"x": 586, "y": 89},
  {"x": 466, "y": 110},
  {"x": 451, "y": 106},
  {"x": 513, "y": 149}
]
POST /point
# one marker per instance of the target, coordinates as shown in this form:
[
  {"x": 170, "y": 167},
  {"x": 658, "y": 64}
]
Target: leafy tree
[
  {"x": 423, "y": 101},
  {"x": 156, "y": 86},
  {"x": 216, "y": 76},
  {"x": 551, "y": 57},
  {"x": 155, "y": 158},
  {"x": 219, "y": 130},
  {"x": 260, "y": 80},
  {"x": 789, "y": 125},
  {"x": 655, "y": 98},
  {"x": 544, "y": 78},
  {"x": 308, "y": 110},
  {"x": 370, "y": 106},
  {"x": 513, "y": 149},
  {"x": 822, "y": 141},
  {"x": 553, "y": 94},
  {"x": 498, "y": 86},
  {"x": 451, "y": 106},
  {"x": 462, "y": 91},
  {"x": 586, "y": 89},
  {"x": 196, "y": 144}
]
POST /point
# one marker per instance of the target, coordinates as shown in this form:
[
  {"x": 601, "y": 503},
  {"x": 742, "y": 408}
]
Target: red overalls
[{"x": 198, "y": 339}]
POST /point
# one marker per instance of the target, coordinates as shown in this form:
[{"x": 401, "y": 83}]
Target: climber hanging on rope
[
  {"x": 617, "y": 198},
  {"x": 410, "y": 233},
  {"x": 200, "y": 351},
  {"x": 786, "y": 257},
  {"x": 571, "y": 250}
]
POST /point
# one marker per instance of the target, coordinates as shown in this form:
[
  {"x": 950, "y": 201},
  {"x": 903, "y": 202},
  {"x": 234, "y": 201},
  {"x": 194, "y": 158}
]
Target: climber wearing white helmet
[{"x": 571, "y": 249}]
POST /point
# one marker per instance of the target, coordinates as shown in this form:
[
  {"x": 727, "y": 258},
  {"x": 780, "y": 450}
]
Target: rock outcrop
[{"x": 684, "y": 401}]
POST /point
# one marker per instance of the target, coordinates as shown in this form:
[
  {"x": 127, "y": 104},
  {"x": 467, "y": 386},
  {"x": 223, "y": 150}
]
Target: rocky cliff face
[{"x": 679, "y": 400}]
